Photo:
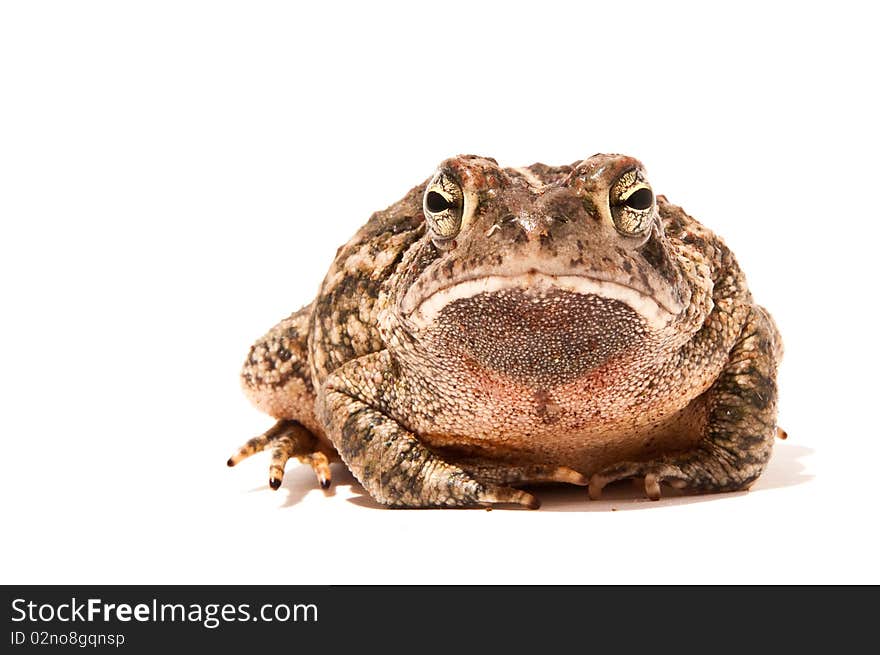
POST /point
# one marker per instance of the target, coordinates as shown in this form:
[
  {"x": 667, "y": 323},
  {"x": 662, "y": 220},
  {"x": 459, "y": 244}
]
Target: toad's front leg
[
  {"x": 739, "y": 426},
  {"x": 387, "y": 459}
]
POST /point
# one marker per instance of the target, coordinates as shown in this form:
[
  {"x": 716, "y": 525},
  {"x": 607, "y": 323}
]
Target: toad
[{"x": 501, "y": 327}]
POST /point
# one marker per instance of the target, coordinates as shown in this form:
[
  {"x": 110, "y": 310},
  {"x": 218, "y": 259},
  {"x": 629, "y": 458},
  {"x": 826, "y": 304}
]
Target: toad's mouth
[{"x": 533, "y": 288}]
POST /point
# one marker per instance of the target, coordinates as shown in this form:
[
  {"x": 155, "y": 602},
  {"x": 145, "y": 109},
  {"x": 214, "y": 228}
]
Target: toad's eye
[
  {"x": 640, "y": 199},
  {"x": 443, "y": 205},
  {"x": 632, "y": 204}
]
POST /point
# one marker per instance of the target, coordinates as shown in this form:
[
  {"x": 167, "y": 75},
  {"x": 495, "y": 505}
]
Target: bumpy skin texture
[{"x": 500, "y": 327}]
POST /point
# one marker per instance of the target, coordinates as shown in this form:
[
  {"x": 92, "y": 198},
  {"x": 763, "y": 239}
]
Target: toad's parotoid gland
[{"x": 499, "y": 327}]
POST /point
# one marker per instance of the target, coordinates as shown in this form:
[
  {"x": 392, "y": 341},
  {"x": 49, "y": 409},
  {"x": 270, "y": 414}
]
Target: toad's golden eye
[
  {"x": 443, "y": 205},
  {"x": 632, "y": 204}
]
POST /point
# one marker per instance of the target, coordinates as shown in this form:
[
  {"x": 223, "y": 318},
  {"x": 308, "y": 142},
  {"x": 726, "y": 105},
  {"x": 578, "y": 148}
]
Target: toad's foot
[
  {"x": 654, "y": 473},
  {"x": 287, "y": 439}
]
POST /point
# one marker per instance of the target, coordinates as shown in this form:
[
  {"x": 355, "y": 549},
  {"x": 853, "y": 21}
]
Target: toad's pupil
[
  {"x": 641, "y": 199},
  {"x": 436, "y": 203}
]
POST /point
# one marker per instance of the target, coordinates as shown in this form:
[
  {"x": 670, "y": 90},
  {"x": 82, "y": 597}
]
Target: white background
[{"x": 176, "y": 176}]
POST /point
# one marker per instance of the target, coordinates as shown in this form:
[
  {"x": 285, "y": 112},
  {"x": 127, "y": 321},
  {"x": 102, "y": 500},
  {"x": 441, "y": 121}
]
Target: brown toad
[{"x": 500, "y": 327}]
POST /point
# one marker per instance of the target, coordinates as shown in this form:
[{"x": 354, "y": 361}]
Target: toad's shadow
[
  {"x": 300, "y": 480},
  {"x": 784, "y": 470}
]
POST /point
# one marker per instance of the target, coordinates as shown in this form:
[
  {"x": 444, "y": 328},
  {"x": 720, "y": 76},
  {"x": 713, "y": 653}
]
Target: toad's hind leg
[
  {"x": 276, "y": 378},
  {"x": 739, "y": 423}
]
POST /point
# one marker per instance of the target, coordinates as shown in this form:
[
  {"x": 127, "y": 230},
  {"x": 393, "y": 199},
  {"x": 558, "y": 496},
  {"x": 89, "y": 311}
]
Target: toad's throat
[
  {"x": 537, "y": 285},
  {"x": 552, "y": 337}
]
